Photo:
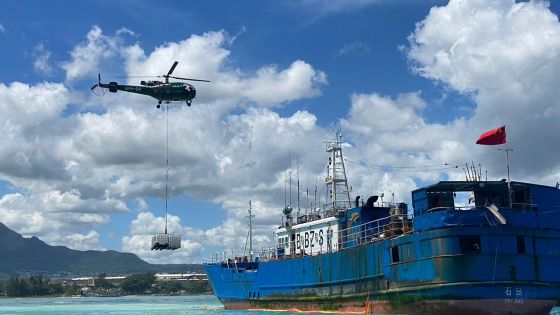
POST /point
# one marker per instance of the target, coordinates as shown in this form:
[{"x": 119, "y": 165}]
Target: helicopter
[{"x": 163, "y": 92}]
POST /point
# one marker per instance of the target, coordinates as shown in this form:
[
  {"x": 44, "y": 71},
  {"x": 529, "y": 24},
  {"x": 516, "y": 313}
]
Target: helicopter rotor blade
[
  {"x": 172, "y": 68},
  {"x": 139, "y": 76},
  {"x": 188, "y": 79},
  {"x": 94, "y": 86}
]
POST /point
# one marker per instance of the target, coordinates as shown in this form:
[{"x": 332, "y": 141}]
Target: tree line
[
  {"x": 36, "y": 285},
  {"x": 145, "y": 283}
]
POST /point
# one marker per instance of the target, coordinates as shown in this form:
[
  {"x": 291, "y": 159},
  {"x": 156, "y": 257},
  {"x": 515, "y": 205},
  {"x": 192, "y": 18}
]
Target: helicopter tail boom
[{"x": 112, "y": 86}]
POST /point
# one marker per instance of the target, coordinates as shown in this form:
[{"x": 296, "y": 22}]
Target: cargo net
[{"x": 163, "y": 241}]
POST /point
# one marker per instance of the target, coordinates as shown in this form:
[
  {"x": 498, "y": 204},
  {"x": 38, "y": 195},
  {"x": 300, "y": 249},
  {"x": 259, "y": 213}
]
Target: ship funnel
[{"x": 371, "y": 200}]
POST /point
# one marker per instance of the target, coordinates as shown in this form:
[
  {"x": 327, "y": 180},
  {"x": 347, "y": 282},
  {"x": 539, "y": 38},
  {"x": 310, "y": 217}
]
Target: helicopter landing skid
[{"x": 158, "y": 106}]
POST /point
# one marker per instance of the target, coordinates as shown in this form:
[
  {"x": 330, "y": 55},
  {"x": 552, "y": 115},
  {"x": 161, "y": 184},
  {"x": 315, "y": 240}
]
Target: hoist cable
[{"x": 166, "y": 160}]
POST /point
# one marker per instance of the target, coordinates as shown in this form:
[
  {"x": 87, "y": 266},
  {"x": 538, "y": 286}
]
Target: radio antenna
[
  {"x": 251, "y": 216},
  {"x": 315, "y": 200},
  {"x": 290, "y": 162},
  {"x": 297, "y": 174},
  {"x": 285, "y": 192}
]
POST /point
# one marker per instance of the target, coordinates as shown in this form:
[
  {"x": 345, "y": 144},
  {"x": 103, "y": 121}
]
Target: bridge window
[
  {"x": 440, "y": 200},
  {"x": 522, "y": 199}
]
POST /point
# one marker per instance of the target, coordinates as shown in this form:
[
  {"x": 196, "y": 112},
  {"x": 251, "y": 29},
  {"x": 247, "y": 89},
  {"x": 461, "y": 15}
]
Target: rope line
[
  {"x": 166, "y": 161},
  {"x": 407, "y": 169}
]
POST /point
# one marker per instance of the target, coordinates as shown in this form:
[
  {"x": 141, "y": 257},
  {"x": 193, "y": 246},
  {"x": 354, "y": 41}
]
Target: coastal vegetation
[
  {"x": 37, "y": 285},
  {"x": 140, "y": 283},
  {"x": 29, "y": 267},
  {"x": 144, "y": 283}
]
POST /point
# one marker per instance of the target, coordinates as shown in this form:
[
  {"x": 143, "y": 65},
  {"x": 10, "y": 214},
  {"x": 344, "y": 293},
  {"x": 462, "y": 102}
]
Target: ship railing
[
  {"x": 514, "y": 206},
  {"x": 381, "y": 229},
  {"x": 384, "y": 228},
  {"x": 433, "y": 209},
  {"x": 238, "y": 258},
  {"x": 318, "y": 212}
]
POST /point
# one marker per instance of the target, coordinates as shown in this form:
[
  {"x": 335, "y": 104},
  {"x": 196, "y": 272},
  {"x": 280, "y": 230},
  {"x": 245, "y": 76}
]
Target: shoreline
[{"x": 5, "y": 297}]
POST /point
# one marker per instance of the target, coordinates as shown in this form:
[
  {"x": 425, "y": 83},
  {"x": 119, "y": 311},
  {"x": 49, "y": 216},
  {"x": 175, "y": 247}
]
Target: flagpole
[
  {"x": 508, "y": 177},
  {"x": 507, "y": 162},
  {"x": 493, "y": 137}
]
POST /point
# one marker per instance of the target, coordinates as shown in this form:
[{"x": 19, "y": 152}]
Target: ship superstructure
[
  {"x": 317, "y": 230},
  {"x": 486, "y": 247}
]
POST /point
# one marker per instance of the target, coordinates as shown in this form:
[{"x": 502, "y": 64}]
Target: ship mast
[
  {"x": 250, "y": 216},
  {"x": 336, "y": 181}
]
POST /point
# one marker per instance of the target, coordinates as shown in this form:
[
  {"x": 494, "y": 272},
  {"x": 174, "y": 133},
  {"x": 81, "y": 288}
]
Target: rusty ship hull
[{"x": 443, "y": 261}]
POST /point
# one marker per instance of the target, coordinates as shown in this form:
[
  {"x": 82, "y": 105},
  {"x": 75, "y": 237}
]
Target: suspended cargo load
[{"x": 162, "y": 241}]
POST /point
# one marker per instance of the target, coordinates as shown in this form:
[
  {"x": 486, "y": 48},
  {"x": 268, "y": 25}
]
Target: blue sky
[
  {"x": 413, "y": 83},
  {"x": 357, "y": 47}
]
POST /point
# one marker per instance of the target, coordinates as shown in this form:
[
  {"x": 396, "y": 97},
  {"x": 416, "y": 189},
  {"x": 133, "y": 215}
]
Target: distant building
[
  {"x": 90, "y": 281},
  {"x": 84, "y": 281},
  {"x": 181, "y": 277}
]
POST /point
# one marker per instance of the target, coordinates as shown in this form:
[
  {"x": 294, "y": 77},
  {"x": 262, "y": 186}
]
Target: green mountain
[{"x": 31, "y": 255}]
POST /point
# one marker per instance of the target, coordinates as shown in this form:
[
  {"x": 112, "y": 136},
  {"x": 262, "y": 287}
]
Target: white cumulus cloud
[
  {"x": 354, "y": 47},
  {"x": 206, "y": 57},
  {"x": 41, "y": 62},
  {"x": 86, "y": 56},
  {"x": 139, "y": 240},
  {"x": 504, "y": 54},
  {"x": 72, "y": 171}
]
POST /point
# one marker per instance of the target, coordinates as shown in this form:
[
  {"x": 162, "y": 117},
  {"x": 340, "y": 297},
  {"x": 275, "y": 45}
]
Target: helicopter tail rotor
[{"x": 98, "y": 82}]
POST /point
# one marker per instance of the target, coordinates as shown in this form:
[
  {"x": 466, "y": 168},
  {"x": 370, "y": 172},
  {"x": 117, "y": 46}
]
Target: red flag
[{"x": 493, "y": 137}]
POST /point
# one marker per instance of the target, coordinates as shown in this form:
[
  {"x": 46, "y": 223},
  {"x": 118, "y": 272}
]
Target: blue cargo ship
[{"x": 465, "y": 247}]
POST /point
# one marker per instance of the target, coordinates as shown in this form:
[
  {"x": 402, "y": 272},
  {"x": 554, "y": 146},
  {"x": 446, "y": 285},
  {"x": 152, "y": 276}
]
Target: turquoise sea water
[
  {"x": 161, "y": 305},
  {"x": 128, "y": 305}
]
